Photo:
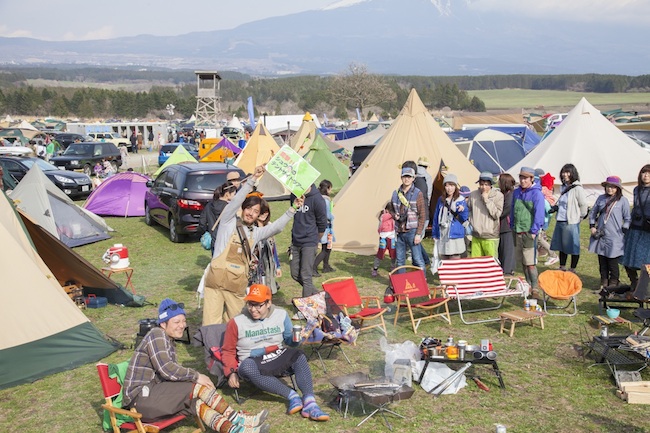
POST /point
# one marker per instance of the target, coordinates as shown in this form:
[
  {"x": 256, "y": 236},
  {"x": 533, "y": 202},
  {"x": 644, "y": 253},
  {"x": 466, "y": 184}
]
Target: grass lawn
[
  {"x": 549, "y": 387},
  {"x": 562, "y": 100}
]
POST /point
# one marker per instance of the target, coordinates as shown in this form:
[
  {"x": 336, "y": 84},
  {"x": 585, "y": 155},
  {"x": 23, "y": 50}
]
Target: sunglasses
[
  {"x": 174, "y": 307},
  {"x": 255, "y": 306}
]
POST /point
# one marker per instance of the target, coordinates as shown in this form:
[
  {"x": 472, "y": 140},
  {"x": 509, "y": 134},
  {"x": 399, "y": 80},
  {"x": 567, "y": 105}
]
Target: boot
[
  {"x": 613, "y": 283},
  {"x": 604, "y": 283}
]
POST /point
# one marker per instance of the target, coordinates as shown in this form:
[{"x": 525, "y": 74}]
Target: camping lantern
[{"x": 117, "y": 256}]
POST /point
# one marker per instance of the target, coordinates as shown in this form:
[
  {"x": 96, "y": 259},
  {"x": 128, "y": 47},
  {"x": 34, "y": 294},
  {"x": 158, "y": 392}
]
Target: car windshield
[
  {"x": 80, "y": 149},
  {"x": 204, "y": 181},
  {"x": 43, "y": 165}
]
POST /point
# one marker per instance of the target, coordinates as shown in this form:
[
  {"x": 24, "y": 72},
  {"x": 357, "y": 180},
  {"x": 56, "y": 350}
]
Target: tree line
[{"x": 337, "y": 95}]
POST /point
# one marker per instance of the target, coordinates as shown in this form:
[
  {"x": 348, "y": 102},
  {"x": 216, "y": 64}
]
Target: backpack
[{"x": 211, "y": 338}]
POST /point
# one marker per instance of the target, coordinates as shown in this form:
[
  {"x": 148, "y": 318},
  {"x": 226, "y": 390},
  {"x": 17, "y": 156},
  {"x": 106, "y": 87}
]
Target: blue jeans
[{"x": 405, "y": 240}]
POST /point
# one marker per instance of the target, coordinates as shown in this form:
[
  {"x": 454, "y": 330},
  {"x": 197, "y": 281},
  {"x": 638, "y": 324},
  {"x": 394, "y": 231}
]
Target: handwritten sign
[{"x": 292, "y": 171}]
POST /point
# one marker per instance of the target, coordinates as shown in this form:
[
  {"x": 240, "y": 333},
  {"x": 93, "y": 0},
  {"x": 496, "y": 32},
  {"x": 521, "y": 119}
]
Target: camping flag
[
  {"x": 251, "y": 112},
  {"x": 325, "y": 119},
  {"x": 291, "y": 170}
]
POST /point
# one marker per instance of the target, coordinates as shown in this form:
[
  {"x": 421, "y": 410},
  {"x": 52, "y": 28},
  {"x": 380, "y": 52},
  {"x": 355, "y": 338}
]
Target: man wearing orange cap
[{"x": 257, "y": 347}]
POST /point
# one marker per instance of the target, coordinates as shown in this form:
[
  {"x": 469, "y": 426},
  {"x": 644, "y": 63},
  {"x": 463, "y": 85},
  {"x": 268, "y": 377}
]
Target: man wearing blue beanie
[{"x": 157, "y": 386}]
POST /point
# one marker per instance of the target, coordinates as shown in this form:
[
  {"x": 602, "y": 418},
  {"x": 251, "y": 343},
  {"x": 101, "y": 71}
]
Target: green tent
[
  {"x": 44, "y": 331},
  {"x": 180, "y": 155},
  {"x": 322, "y": 159}
]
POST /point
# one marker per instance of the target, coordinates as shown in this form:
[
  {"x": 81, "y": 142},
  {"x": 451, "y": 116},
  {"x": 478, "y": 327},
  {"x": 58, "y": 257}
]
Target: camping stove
[{"x": 117, "y": 256}]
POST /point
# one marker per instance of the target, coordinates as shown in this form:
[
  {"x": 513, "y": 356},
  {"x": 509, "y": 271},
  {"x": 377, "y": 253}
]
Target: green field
[{"x": 532, "y": 100}]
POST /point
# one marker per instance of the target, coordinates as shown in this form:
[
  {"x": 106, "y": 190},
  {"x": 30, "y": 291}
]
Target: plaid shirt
[{"x": 154, "y": 361}]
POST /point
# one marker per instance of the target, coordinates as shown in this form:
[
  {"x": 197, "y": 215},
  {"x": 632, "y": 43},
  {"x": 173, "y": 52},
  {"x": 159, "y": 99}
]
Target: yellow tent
[{"x": 413, "y": 134}]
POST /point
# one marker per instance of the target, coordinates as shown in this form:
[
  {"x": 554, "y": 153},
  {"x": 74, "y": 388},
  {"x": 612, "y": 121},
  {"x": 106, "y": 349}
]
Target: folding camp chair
[
  {"x": 413, "y": 293},
  {"x": 314, "y": 310},
  {"x": 474, "y": 279},
  {"x": 112, "y": 388},
  {"x": 562, "y": 286},
  {"x": 345, "y": 294}
]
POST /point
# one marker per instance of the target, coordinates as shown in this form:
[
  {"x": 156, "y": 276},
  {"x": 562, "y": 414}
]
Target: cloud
[
  {"x": 9, "y": 33},
  {"x": 632, "y": 11},
  {"x": 105, "y": 32}
]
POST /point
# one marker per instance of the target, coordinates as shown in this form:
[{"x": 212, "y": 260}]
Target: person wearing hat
[
  {"x": 485, "y": 208},
  {"x": 637, "y": 239},
  {"x": 449, "y": 220},
  {"x": 157, "y": 386},
  {"x": 410, "y": 218},
  {"x": 571, "y": 209},
  {"x": 257, "y": 347},
  {"x": 235, "y": 178},
  {"x": 608, "y": 219},
  {"x": 423, "y": 166},
  {"x": 527, "y": 218}
]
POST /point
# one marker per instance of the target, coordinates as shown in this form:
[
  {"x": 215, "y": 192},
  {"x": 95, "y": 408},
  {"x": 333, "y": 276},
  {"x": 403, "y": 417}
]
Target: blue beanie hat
[{"x": 168, "y": 309}]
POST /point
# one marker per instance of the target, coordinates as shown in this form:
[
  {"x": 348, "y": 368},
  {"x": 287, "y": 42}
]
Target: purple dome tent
[{"x": 119, "y": 195}]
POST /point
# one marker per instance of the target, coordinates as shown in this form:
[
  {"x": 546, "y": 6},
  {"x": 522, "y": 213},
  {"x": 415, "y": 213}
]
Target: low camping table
[
  {"x": 127, "y": 271},
  {"x": 469, "y": 357},
  {"x": 520, "y": 316},
  {"x": 606, "y": 320}
]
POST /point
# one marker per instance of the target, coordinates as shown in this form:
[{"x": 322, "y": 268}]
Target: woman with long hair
[
  {"x": 506, "y": 238},
  {"x": 448, "y": 219},
  {"x": 571, "y": 208},
  {"x": 637, "y": 239}
]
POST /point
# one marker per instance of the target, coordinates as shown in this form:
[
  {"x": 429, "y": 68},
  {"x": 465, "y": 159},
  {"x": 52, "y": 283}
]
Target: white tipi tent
[
  {"x": 597, "y": 148},
  {"x": 39, "y": 198},
  {"x": 413, "y": 134}
]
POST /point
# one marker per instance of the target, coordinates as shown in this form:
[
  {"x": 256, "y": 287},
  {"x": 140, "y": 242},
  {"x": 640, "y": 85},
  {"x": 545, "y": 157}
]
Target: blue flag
[{"x": 251, "y": 112}]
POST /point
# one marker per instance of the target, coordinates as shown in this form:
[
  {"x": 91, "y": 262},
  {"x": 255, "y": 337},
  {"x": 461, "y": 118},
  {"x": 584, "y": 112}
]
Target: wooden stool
[
  {"x": 521, "y": 316},
  {"x": 128, "y": 271},
  {"x": 606, "y": 320}
]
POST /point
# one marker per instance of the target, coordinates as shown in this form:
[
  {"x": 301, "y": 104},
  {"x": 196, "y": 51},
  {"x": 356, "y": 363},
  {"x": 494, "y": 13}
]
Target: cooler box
[{"x": 93, "y": 301}]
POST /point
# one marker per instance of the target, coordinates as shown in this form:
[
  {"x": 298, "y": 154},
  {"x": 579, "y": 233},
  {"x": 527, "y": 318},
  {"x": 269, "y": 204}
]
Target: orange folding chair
[
  {"x": 413, "y": 293},
  {"x": 345, "y": 294},
  {"x": 112, "y": 388},
  {"x": 560, "y": 286}
]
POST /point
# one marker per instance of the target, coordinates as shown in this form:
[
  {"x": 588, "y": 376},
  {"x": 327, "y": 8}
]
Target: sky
[{"x": 74, "y": 20}]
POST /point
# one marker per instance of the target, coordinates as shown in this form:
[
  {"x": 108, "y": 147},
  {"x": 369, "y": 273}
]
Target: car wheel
[
  {"x": 88, "y": 170},
  {"x": 147, "y": 216},
  {"x": 114, "y": 165},
  {"x": 174, "y": 236}
]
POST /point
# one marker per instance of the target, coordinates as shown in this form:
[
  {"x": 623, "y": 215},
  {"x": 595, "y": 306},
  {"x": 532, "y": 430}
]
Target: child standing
[{"x": 386, "y": 237}]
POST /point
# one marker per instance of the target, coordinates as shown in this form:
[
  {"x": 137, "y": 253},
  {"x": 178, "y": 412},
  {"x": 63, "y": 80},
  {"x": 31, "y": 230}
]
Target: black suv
[
  {"x": 176, "y": 197},
  {"x": 84, "y": 156},
  {"x": 65, "y": 139}
]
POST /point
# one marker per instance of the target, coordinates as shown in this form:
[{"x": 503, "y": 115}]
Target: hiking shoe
[
  {"x": 251, "y": 420},
  {"x": 294, "y": 405},
  {"x": 315, "y": 413},
  {"x": 315, "y": 273},
  {"x": 374, "y": 273},
  {"x": 328, "y": 269},
  {"x": 551, "y": 261},
  {"x": 264, "y": 428}
]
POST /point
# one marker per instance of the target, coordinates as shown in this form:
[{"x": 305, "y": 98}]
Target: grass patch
[{"x": 549, "y": 386}]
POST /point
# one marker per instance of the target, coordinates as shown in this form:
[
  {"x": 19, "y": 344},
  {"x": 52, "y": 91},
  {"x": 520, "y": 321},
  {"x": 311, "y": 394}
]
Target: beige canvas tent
[
  {"x": 486, "y": 119},
  {"x": 44, "y": 331},
  {"x": 413, "y": 134},
  {"x": 258, "y": 151},
  {"x": 304, "y": 138},
  {"x": 595, "y": 146}
]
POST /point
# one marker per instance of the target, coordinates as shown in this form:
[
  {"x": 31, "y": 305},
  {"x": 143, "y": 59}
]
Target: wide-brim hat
[{"x": 613, "y": 181}]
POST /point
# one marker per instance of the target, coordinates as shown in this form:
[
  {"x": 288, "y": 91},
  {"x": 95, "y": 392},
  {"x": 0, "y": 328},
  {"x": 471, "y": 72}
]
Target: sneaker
[
  {"x": 315, "y": 413},
  {"x": 294, "y": 405},
  {"x": 551, "y": 261},
  {"x": 252, "y": 420},
  {"x": 374, "y": 273},
  {"x": 315, "y": 273},
  {"x": 264, "y": 428}
]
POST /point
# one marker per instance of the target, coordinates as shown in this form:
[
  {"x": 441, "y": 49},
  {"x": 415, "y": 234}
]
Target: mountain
[{"x": 403, "y": 37}]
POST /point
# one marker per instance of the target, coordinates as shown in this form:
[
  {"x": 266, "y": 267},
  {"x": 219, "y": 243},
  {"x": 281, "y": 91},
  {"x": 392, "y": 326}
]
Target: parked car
[
  {"x": 67, "y": 138},
  {"x": 74, "y": 185},
  {"x": 359, "y": 154},
  {"x": 169, "y": 148},
  {"x": 111, "y": 137},
  {"x": 176, "y": 197},
  {"x": 84, "y": 156}
]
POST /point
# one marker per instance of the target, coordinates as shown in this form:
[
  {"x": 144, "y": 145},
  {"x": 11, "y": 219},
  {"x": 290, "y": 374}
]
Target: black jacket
[
  {"x": 310, "y": 220},
  {"x": 209, "y": 216}
]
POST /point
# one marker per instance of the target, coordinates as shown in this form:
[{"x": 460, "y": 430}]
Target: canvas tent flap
[{"x": 413, "y": 134}]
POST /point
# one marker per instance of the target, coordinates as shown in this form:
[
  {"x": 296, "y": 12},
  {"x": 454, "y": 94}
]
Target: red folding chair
[
  {"x": 345, "y": 294},
  {"x": 414, "y": 294},
  {"x": 112, "y": 388}
]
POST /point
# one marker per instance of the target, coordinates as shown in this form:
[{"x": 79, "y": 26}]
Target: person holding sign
[{"x": 228, "y": 274}]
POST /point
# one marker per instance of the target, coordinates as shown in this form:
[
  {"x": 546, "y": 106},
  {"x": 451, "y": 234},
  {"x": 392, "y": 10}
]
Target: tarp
[
  {"x": 119, "y": 195},
  {"x": 221, "y": 151},
  {"x": 258, "y": 151},
  {"x": 45, "y": 332},
  {"x": 343, "y": 134},
  {"x": 179, "y": 155},
  {"x": 595, "y": 146},
  {"x": 371, "y": 137},
  {"x": 413, "y": 134},
  {"x": 462, "y": 119},
  {"x": 322, "y": 159},
  {"x": 39, "y": 198}
]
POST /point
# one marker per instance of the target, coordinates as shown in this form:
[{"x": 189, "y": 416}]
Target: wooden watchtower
[{"x": 208, "y": 98}]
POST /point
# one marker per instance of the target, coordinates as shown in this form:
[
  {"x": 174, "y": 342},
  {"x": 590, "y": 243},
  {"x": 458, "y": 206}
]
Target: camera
[
  {"x": 553, "y": 209},
  {"x": 599, "y": 234}
]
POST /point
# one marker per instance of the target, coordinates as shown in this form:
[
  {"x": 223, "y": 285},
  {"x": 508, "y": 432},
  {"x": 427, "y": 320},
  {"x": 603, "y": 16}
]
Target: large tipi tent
[
  {"x": 179, "y": 155},
  {"x": 44, "y": 331},
  {"x": 413, "y": 134},
  {"x": 258, "y": 151},
  {"x": 119, "y": 195},
  {"x": 39, "y": 198},
  {"x": 329, "y": 166},
  {"x": 595, "y": 146},
  {"x": 368, "y": 138},
  {"x": 304, "y": 138}
]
